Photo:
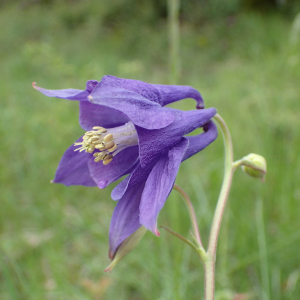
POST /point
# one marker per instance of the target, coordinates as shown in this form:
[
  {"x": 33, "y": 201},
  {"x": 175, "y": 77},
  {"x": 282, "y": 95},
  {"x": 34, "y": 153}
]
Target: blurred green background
[{"x": 243, "y": 56}]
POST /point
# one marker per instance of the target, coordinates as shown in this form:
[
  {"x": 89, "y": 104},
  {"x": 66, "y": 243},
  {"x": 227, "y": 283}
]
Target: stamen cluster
[{"x": 108, "y": 142}]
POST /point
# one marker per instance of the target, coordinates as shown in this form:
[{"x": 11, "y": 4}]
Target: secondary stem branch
[{"x": 191, "y": 210}]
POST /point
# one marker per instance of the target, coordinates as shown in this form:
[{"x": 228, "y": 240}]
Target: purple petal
[
  {"x": 125, "y": 219},
  {"x": 91, "y": 115},
  {"x": 200, "y": 141},
  {"x": 90, "y": 85},
  {"x": 153, "y": 143},
  {"x": 138, "y": 175},
  {"x": 172, "y": 93},
  {"x": 146, "y": 90},
  {"x": 118, "y": 192},
  {"x": 159, "y": 185},
  {"x": 73, "y": 168},
  {"x": 69, "y": 94},
  {"x": 140, "y": 110},
  {"x": 121, "y": 165},
  {"x": 161, "y": 94}
]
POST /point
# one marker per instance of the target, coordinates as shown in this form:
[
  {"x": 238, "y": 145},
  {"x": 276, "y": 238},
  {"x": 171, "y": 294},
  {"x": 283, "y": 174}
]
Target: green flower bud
[
  {"x": 128, "y": 244},
  {"x": 254, "y": 165}
]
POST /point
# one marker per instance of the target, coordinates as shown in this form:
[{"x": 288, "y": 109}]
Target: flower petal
[
  {"x": 159, "y": 185},
  {"x": 125, "y": 219},
  {"x": 73, "y": 168},
  {"x": 200, "y": 141},
  {"x": 91, "y": 115},
  {"x": 121, "y": 165},
  {"x": 140, "y": 110},
  {"x": 153, "y": 143},
  {"x": 138, "y": 175},
  {"x": 161, "y": 94},
  {"x": 69, "y": 94},
  {"x": 172, "y": 93},
  {"x": 146, "y": 90},
  {"x": 118, "y": 192}
]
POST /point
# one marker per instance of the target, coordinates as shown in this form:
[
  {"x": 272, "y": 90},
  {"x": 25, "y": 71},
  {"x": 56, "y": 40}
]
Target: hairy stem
[
  {"x": 209, "y": 266},
  {"x": 192, "y": 213},
  {"x": 180, "y": 237}
]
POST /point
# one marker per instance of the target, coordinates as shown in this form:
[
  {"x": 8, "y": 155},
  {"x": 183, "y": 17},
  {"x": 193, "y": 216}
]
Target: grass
[{"x": 54, "y": 239}]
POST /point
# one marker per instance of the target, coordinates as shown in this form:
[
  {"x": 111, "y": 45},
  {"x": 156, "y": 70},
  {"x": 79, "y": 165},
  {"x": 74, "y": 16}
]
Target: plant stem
[
  {"x": 192, "y": 213},
  {"x": 181, "y": 238},
  {"x": 209, "y": 265}
]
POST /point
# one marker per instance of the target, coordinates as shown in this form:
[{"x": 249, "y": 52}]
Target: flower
[{"x": 131, "y": 131}]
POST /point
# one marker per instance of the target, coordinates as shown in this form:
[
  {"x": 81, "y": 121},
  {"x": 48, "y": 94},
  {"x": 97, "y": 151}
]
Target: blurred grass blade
[
  {"x": 263, "y": 256},
  {"x": 174, "y": 40}
]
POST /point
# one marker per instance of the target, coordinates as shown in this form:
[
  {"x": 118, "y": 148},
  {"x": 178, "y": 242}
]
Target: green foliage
[{"x": 54, "y": 239}]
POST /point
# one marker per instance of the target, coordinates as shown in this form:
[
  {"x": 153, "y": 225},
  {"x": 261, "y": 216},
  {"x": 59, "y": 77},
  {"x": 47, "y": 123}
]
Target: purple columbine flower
[{"x": 130, "y": 131}]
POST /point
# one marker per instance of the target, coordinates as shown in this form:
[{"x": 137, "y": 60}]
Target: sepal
[{"x": 127, "y": 246}]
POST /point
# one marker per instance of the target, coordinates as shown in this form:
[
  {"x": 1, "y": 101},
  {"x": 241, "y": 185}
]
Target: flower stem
[
  {"x": 192, "y": 213},
  {"x": 209, "y": 265},
  {"x": 181, "y": 238}
]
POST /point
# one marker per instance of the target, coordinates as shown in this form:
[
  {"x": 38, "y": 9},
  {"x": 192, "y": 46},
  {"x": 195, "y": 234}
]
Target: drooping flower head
[{"x": 130, "y": 131}]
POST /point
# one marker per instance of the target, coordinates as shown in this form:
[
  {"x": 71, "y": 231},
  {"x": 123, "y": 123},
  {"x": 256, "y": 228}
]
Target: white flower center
[{"x": 108, "y": 142}]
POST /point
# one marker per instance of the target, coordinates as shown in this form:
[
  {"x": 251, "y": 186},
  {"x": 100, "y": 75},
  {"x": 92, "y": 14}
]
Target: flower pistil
[{"x": 106, "y": 143}]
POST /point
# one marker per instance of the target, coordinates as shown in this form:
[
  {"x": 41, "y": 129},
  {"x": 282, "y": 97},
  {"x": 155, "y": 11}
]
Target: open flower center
[{"x": 106, "y": 143}]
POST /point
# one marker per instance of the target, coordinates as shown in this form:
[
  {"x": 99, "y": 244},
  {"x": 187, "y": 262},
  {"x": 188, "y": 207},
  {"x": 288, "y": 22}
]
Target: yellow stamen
[
  {"x": 102, "y": 155},
  {"x": 90, "y": 150},
  {"x": 106, "y": 162},
  {"x": 112, "y": 149},
  {"x": 108, "y": 138},
  {"x": 104, "y": 144},
  {"x": 97, "y": 159},
  {"x": 109, "y": 145},
  {"x": 100, "y": 146}
]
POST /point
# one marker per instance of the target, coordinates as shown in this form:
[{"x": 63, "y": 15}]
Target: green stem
[
  {"x": 180, "y": 237},
  {"x": 209, "y": 265},
  {"x": 192, "y": 213}
]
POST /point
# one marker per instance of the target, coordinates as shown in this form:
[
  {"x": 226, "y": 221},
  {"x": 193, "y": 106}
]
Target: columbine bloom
[{"x": 129, "y": 131}]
